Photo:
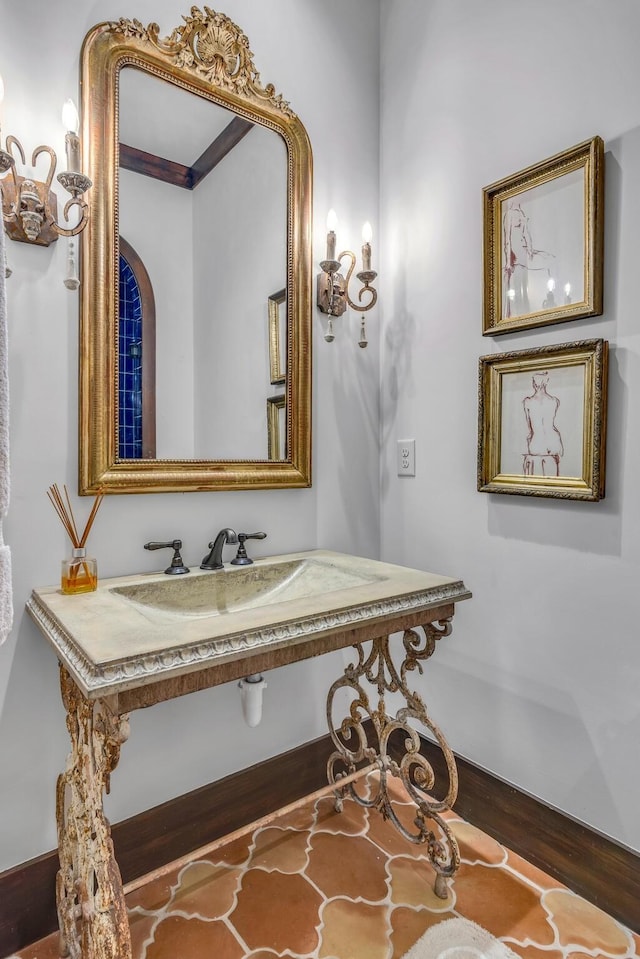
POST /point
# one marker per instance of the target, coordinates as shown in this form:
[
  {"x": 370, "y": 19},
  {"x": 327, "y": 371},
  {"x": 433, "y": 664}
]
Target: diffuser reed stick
[{"x": 71, "y": 581}]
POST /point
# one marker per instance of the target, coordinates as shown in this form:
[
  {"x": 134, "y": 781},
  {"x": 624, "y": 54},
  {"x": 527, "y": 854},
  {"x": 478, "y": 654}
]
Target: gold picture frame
[
  {"x": 276, "y": 427},
  {"x": 543, "y": 242},
  {"x": 542, "y": 421},
  {"x": 277, "y": 337}
]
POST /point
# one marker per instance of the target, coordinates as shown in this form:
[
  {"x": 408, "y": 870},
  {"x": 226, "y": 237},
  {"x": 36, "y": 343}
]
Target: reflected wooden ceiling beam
[
  {"x": 216, "y": 151},
  {"x": 148, "y": 164}
]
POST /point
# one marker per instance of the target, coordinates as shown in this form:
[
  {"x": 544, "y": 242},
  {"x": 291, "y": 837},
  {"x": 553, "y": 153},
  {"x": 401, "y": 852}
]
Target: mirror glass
[
  {"x": 220, "y": 182},
  {"x": 196, "y": 295}
]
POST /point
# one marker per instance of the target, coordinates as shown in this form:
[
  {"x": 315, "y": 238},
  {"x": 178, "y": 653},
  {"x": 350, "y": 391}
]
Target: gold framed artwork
[
  {"x": 278, "y": 336},
  {"x": 542, "y": 421},
  {"x": 543, "y": 242},
  {"x": 277, "y": 427}
]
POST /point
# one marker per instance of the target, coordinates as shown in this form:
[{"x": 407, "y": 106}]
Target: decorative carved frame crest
[
  {"x": 215, "y": 48},
  {"x": 210, "y": 56}
]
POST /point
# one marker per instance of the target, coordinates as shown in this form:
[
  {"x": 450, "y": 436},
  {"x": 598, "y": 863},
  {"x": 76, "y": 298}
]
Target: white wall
[
  {"x": 240, "y": 228},
  {"x": 539, "y": 681},
  {"x": 168, "y": 259},
  {"x": 179, "y": 745}
]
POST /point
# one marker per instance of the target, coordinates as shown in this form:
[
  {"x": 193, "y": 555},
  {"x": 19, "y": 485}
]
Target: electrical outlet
[{"x": 406, "y": 457}]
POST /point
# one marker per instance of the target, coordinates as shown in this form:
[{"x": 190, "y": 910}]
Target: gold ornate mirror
[{"x": 201, "y": 222}]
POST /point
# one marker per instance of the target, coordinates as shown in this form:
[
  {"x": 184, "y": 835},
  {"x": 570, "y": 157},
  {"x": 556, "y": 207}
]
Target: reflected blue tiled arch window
[{"x": 129, "y": 365}]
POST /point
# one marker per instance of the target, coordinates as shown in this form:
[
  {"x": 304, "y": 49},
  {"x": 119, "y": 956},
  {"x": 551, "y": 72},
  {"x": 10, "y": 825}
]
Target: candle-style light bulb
[
  {"x": 549, "y": 302},
  {"x": 70, "y": 118},
  {"x": 567, "y": 293},
  {"x": 367, "y": 234},
  {"x": 332, "y": 223},
  {"x": 71, "y": 123}
]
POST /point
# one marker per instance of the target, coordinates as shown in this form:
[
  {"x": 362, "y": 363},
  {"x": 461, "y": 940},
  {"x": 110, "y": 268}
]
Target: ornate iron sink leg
[{"x": 394, "y": 745}]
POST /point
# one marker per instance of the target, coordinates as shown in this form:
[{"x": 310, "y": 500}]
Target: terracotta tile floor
[{"x": 315, "y": 884}]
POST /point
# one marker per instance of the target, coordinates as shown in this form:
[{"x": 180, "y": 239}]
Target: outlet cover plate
[{"x": 406, "y": 457}]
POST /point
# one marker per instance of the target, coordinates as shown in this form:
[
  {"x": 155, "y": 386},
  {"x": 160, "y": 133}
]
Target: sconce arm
[
  {"x": 365, "y": 277},
  {"x": 52, "y": 166},
  {"x": 12, "y": 141},
  {"x": 80, "y": 225},
  {"x": 9, "y": 163}
]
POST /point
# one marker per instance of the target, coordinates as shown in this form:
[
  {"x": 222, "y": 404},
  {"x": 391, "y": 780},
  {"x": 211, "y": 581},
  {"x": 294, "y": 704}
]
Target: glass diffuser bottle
[{"x": 80, "y": 573}]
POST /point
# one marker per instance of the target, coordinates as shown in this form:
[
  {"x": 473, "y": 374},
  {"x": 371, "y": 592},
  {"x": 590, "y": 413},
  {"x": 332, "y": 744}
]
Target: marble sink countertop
[{"x": 111, "y": 642}]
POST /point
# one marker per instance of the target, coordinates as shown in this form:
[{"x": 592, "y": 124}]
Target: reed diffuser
[{"x": 80, "y": 572}]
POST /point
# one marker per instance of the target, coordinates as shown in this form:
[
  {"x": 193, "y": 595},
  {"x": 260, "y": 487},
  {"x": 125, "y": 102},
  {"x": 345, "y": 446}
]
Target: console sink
[
  {"x": 142, "y": 630},
  {"x": 243, "y": 587}
]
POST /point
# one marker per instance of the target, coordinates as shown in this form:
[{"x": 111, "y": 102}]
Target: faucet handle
[
  {"x": 241, "y": 558},
  {"x": 177, "y": 566}
]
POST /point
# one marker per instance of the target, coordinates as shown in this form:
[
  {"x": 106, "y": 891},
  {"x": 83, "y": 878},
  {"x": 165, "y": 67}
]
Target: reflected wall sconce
[
  {"x": 30, "y": 206},
  {"x": 333, "y": 288}
]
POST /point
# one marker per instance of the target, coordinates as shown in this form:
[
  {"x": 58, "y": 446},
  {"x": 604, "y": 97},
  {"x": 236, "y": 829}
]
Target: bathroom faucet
[{"x": 214, "y": 559}]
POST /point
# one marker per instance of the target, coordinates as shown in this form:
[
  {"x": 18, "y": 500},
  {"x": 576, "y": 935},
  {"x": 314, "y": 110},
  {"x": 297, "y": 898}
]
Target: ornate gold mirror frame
[{"x": 208, "y": 56}]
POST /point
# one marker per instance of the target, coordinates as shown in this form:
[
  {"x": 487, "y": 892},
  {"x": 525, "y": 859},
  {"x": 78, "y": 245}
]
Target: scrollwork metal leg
[
  {"x": 91, "y": 908},
  {"x": 393, "y": 736}
]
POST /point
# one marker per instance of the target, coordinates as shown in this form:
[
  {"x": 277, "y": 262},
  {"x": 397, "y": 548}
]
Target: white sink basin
[{"x": 238, "y": 588}]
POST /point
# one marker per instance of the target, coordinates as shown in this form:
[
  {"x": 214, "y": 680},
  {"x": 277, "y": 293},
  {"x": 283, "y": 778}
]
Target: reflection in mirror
[
  {"x": 220, "y": 182},
  {"x": 276, "y": 426},
  {"x": 203, "y": 179},
  {"x": 278, "y": 336},
  {"x": 136, "y": 358}
]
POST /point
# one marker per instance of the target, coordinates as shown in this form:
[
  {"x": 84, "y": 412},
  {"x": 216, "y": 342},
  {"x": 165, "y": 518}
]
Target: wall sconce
[
  {"x": 333, "y": 288},
  {"x": 29, "y": 206}
]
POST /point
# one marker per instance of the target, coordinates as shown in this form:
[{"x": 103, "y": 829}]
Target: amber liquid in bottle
[{"x": 79, "y": 574}]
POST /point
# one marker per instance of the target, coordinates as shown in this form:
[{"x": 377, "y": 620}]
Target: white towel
[{"x": 6, "y": 590}]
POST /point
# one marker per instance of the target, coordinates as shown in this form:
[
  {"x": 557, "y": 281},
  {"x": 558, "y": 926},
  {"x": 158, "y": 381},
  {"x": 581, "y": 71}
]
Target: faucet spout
[{"x": 214, "y": 559}]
